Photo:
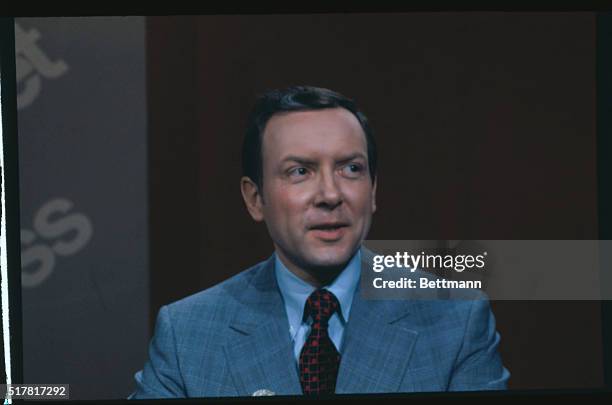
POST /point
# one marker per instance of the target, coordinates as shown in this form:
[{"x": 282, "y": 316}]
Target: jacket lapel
[
  {"x": 376, "y": 350},
  {"x": 259, "y": 350},
  {"x": 377, "y": 346}
]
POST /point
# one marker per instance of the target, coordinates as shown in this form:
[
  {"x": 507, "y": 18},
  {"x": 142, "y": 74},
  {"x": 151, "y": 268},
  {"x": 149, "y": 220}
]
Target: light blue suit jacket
[{"x": 233, "y": 340}]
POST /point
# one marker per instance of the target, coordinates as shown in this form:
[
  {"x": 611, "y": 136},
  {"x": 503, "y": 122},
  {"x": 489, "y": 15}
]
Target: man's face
[{"x": 317, "y": 196}]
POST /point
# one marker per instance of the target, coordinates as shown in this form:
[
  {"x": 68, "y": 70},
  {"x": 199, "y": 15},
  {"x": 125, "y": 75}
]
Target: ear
[
  {"x": 374, "y": 195},
  {"x": 252, "y": 198}
]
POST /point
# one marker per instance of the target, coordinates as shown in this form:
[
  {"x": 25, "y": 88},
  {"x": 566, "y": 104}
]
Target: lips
[{"x": 328, "y": 231}]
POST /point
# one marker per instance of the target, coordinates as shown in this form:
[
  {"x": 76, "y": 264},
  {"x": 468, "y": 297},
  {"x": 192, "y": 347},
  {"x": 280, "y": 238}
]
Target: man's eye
[
  {"x": 352, "y": 169},
  {"x": 298, "y": 172}
]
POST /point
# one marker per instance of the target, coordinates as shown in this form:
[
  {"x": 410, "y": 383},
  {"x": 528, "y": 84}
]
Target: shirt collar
[{"x": 295, "y": 291}]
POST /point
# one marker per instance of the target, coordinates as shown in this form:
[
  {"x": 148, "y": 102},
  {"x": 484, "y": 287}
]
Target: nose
[{"x": 329, "y": 195}]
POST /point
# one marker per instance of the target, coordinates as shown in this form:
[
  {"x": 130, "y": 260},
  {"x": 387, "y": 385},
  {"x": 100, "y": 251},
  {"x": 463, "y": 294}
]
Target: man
[{"x": 296, "y": 323}]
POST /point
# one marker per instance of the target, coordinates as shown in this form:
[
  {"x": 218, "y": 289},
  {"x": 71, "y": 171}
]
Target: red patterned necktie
[{"x": 319, "y": 359}]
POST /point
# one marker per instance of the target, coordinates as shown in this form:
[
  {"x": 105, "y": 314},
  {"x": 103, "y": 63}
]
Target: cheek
[
  {"x": 286, "y": 205},
  {"x": 361, "y": 199}
]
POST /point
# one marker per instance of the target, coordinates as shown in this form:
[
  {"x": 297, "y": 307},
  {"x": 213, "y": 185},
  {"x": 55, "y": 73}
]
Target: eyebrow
[
  {"x": 306, "y": 161},
  {"x": 353, "y": 157},
  {"x": 298, "y": 159}
]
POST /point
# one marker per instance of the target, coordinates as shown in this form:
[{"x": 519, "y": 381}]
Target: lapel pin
[{"x": 263, "y": 393}]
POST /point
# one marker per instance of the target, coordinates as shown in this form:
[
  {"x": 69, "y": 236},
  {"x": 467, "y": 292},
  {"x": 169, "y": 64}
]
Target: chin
[{"x": 331, "y": 257}]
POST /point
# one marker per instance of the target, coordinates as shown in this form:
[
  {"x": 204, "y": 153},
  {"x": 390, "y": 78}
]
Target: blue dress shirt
[{"x": 295, "y": 291}]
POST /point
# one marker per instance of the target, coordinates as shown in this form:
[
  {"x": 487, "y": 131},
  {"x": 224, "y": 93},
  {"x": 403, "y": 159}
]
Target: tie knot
[{"x": 321, "y": 305}]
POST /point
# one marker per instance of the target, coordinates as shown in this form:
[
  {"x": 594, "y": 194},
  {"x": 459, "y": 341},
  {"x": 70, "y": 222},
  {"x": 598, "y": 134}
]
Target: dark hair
[{"x": 296, "y": 98}]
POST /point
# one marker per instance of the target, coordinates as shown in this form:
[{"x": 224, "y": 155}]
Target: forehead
[{"x": 316, "y": 133}]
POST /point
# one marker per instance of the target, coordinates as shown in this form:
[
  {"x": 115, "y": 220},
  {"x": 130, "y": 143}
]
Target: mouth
[{"x": 329, "y": 232}]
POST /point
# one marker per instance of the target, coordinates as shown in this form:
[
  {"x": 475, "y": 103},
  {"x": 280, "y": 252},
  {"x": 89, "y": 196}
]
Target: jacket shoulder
[{"x": 216, "y": 303}]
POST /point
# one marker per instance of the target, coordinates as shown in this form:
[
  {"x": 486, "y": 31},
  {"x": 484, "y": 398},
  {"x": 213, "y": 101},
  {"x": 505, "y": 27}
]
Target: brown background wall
[{"x": 486, "y": 129}]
